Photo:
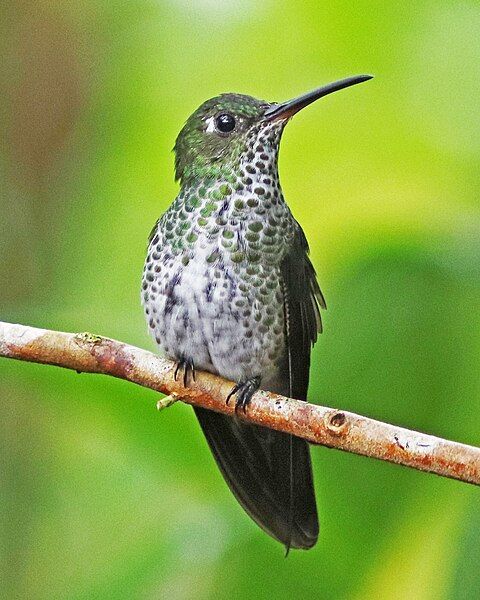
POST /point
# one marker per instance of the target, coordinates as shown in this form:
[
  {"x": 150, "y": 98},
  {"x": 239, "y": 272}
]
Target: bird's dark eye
[{"x": 225, "y": 123}]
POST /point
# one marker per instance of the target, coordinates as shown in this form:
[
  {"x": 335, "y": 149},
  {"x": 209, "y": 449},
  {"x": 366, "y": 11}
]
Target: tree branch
[{"x": 317, "y": 424}]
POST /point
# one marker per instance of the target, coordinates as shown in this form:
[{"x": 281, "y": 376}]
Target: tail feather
[{"x": 270, "y": 474}]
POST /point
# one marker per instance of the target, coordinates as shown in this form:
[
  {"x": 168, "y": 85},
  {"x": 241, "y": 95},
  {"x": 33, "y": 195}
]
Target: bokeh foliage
[{"x": 101, "y": 497}]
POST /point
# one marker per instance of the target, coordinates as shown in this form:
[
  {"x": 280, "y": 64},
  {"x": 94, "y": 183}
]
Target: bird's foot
[
  {"x": 244, "y": 392},
  {"x": 188, "y": 367}
]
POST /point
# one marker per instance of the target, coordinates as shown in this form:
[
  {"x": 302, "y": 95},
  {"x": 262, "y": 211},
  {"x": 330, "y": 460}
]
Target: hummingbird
[{"x": 228, "y": 288}]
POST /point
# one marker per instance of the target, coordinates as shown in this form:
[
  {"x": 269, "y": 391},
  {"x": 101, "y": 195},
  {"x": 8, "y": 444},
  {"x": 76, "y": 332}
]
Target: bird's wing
[
  {"x": 268, "y": 471},
  {"x": 302, "y": 301}
]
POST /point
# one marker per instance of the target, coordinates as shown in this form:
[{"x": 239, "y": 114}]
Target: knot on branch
[{"x": 336, "y": 422}]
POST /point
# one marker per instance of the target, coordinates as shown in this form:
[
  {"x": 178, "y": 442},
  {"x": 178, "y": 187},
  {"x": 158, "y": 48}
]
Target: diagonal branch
[{"x": 317, "y": 424}]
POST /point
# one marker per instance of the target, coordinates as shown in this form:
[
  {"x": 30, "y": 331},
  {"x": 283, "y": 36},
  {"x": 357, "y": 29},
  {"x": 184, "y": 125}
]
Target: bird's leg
[
  {"x": 244, "y": 391},
  {"x": 188, "y": 367}
]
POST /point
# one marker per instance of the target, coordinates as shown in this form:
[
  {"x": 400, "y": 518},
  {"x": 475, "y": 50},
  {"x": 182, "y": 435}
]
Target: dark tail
[{"x": 270, "y": 474}]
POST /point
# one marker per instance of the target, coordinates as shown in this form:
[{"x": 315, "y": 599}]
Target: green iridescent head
[{"x": 218, "y": 134}]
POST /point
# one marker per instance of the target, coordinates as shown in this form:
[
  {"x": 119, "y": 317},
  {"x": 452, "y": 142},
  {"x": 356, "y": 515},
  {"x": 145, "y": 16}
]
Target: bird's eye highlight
[{"x": 225, "y": 123}]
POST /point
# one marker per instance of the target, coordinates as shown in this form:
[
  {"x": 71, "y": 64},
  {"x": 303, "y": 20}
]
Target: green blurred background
[{"x": 103, "y": 497}]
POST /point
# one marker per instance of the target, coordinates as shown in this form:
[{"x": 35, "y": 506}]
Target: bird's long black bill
[{"x": 285, "y": 110}]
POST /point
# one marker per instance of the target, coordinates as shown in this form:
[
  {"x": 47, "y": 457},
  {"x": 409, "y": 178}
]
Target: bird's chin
[{"x": 275, "y": 126}]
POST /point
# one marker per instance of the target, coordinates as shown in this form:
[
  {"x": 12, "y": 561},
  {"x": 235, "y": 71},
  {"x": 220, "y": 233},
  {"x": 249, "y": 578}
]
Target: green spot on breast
[
  {"x": 239, "y": 204},
  {"x": 192, "y": 203},
  {"x": 255, "y": 226},
  {"x": 225, "y": 190},
  {"x": 268, "y": 241},
  {"x": 214, "y": 256},
  {"x": 208, "y": 209},
  {"x": 237, "y": 257}
]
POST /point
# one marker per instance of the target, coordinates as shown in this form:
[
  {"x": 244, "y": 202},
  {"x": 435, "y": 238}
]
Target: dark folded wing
[
  {"x": 303, "y": 300},
  {"x": 268, "y": 471}
]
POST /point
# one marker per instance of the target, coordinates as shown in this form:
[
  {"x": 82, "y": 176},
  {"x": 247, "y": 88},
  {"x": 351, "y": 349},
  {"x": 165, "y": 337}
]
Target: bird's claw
[
  {"x": 188, "y": 367},
  {"x": 244, "y": 391}
]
